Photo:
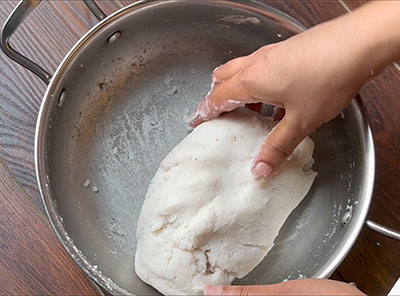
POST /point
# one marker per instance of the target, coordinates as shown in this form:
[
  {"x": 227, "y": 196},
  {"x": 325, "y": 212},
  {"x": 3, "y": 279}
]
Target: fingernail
[
  {"x": 262, "y": 170},
  {"x": 195, "y": 121},
  {"x": 217, "y": 68},
  {"x": 353, "y": 284},
  {"x": 196, "y": 117},
  {"x": 213, "y": 290}
]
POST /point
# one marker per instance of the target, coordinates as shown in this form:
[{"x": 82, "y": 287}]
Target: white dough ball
[{"x": 206, "y": 220}]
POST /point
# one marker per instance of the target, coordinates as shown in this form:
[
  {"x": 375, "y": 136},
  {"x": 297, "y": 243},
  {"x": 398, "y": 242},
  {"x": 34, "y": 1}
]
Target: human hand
[
  {"x": 313, "y": 76},
  {"x": 294, "y": 287}
]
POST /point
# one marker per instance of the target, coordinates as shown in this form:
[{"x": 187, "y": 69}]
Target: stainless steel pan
[{"x": 115, "y": 107}]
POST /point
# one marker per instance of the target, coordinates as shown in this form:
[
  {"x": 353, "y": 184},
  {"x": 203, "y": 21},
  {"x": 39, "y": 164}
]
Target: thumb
[
  {"x": 236, "y": 290},
  {"x": 278, "y": 146},
  {"x": 294, "y": 287}
]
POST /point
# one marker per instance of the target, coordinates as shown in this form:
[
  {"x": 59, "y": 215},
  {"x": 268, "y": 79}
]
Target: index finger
[
  {"x": 224, "y": 97},
  {"x": 229, "y": 69}
]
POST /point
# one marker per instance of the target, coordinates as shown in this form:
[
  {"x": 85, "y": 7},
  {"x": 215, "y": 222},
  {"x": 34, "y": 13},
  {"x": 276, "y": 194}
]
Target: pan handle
[
  {"x": 23, "y": 9},
  {"x": 98, "y": 13},
  {"x": 386, "y": 231}
]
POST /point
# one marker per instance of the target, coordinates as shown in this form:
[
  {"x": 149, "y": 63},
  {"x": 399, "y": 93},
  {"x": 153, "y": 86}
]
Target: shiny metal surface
[
  {"x": 386, "y": 231},
  {"x": 122, "y": 109},
  {"x": 98, "y": 13},
  {"x": 124, "y": 112}
]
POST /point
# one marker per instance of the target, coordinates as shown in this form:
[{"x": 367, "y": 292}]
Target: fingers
[
  {"x": 226, "y": 93},
  {"x": 278, "y": 146},
  {"x": 226, "y": 96},
  {"x": 238, "y": 290},
  {"x": 294, "y": 287},
  {"x": 228, "y": 70}
]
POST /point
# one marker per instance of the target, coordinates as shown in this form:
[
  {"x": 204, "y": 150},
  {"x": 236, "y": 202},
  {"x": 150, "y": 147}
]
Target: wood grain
[
  {"x": 353, "y": 4},
  {"x": 373, "y": 263},
  {"x": 55, "y": 26},
  {"x": 32, "y": 261},
  {"x": 21, "y": 91}
]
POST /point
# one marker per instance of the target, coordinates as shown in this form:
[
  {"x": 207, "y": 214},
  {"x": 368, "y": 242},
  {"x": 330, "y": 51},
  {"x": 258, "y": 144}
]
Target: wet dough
[{"x": 205, "y": 219}]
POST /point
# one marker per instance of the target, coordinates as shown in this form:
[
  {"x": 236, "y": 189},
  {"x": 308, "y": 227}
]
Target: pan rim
[{"x": 41, "y": 133}]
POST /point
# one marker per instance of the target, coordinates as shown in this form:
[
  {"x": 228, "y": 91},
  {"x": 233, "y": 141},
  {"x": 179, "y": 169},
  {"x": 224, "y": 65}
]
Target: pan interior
[{"x": 123, "y": 111}]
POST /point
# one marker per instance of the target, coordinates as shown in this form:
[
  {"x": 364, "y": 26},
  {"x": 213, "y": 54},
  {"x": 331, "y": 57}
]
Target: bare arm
[{"x": 313, "y": 76}]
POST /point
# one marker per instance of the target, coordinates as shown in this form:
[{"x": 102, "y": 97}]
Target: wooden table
[{"x": 27, "y": 246}]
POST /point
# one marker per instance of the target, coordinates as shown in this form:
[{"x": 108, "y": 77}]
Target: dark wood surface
[
  {"x": 31, "y": 259},
  {"x": 52, "y": 29}
]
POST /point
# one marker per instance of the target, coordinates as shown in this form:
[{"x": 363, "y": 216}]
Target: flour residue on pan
[
  {"x": 240, "y": 19},
  {"x": 78, "y": 256}
]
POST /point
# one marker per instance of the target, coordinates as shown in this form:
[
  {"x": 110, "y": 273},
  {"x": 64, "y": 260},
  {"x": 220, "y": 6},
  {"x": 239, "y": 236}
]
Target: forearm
[
  {"x": 375, "y": 29},
  {"x": 350, "y": 49}
]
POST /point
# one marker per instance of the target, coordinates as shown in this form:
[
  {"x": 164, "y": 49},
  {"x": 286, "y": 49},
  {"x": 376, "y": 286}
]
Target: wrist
[{"x": 375, "y": 26}]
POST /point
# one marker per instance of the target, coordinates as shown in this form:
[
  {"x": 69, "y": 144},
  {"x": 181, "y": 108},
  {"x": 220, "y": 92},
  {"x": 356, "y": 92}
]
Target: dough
[{"x": 205, "y": 219}]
